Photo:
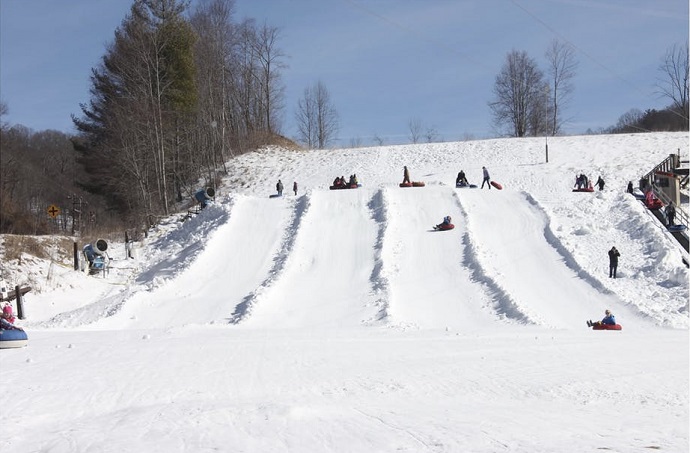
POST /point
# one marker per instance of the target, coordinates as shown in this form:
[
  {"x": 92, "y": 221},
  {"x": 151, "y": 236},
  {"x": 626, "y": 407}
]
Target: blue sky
[{"x": 384, "y": 62}]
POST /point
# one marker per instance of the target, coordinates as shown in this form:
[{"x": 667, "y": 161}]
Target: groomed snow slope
[{"x": 339, "y": 321}]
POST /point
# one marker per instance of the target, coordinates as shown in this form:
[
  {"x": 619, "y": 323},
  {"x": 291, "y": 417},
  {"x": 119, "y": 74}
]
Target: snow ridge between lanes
[{"x": 299, "y": 211}]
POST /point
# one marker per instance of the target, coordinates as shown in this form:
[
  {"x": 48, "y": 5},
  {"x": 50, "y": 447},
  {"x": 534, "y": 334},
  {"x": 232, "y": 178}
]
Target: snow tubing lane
[
  {"x": 607, "y": 327},
  {"x": 13, "y": 339}
]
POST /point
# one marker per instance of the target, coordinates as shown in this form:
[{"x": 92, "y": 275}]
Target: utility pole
[
  {"x": 76, "y": 215},
  {"x": 546, "y": 132}
]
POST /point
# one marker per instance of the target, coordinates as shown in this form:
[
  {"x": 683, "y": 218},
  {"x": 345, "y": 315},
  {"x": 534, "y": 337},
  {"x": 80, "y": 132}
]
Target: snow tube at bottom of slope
[{"x": 13, "y": 339}]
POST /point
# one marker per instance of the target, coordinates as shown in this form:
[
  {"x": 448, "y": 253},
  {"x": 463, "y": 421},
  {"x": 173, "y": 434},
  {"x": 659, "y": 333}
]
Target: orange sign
[{"x": 53, "y": 211}]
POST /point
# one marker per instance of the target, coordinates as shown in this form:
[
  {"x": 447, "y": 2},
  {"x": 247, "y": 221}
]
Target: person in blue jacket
[
  {"x": 444, "y": 224},
  {"x": 202, "y": 198},
  {"x": 608, "y": 320}
]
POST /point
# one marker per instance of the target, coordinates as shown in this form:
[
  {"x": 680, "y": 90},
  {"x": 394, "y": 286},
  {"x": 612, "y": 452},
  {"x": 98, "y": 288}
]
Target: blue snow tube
[{"x": 13, "y": 339}]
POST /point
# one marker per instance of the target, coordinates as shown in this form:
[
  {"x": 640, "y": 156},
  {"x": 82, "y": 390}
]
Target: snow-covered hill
[{"x": 340, "y": 321}]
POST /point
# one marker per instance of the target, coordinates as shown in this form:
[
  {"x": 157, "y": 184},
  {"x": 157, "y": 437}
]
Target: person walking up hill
[
  {"x": 613, "y": 261},
  {"x": 487, "y": 178}
]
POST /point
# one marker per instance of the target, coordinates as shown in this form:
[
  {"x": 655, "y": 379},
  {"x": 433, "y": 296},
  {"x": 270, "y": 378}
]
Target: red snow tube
[
  {"x": 497, "y": 185},
  {"x": 344, "y": 186},
  {"x": 412, "y": 184},
  {"x": 607, "y": 327},
  {"x": 651, "y": 201},
  {"x": 445, "y": 226},
  {"x": 584, "y": 189}
]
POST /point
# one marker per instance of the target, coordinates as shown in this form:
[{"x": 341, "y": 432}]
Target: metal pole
[{"x": 546, "y": 133}]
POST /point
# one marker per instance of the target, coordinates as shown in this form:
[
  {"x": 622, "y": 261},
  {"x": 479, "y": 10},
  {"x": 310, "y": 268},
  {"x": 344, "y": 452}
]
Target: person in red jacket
[
  {"x": 6, "y": 325},
  {"x": 7, "y": 314}
]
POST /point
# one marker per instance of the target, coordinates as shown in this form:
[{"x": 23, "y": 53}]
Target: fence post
[
  {"x": 76, "y": 257},
  {"x": 20, "y": 302}
]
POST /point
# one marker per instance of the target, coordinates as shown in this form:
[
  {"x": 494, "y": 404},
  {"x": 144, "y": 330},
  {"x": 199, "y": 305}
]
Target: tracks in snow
[{"x": 369, "y": 257}]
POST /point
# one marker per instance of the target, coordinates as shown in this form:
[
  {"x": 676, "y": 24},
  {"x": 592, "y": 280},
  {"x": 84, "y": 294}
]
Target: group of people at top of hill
[
  {"x": 461, "y": 179},
  {"x": 340, "y": 181},
  {"x": 583, "y": 182},
  {"x": 279, "y": 187}
]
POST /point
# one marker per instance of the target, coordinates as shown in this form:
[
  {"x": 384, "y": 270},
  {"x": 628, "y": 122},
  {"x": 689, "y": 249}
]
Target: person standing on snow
[
  {"x": 487, "y": 178},
  {"x": 613, "y": 261},
  {"x": 294, "y": 187},
  {"x": 279, "y": 187},
  {"x": 406, "y": 175},
  {"x": 670, "y": 214},
  {"x": 600, "y": 183}
]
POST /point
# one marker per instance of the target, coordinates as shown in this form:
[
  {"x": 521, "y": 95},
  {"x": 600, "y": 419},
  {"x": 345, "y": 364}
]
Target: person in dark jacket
[
  {"x": 487, "y": 178},
  {"x": 279, "y": 187},
  {"x": 613, "y": 261},
  {"x": 461, "y": 179},
  {"x": 630, "y": 187},
  {"x": 406, "y": 175},
  {"x": 609, "y": 320},
  {"x": 600, "y": 183},
  {"x": 294, "y": 187},
  {"x": 670, "y": 214}
]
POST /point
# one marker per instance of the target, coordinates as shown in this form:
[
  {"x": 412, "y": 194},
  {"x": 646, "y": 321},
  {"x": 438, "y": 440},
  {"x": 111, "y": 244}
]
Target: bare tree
[
  {"x": 675, "y": 85},
  {"x": 415, "y": 126},
  {"x": 212, "y": 22},
  {"x": 628, "y": 121},
  {"x": 3, "y": 111},
  {"x": 431, "y": 134},
  {"x": 356, "y": 142},
  {"x": 561, "y": 71},
  {"x": 519, "y": 88},
  {"x": 272, "y": 91},
  {"x": 317, "y": 118}
]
